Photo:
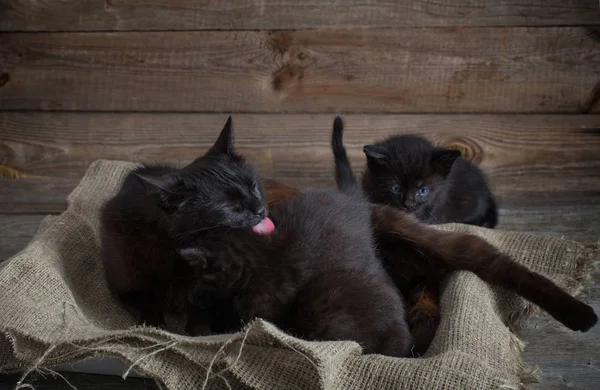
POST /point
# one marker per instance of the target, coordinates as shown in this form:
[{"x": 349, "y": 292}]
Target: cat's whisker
[
  {"x": 190, "y": 232},
  {"x": 436, "y": 220}
]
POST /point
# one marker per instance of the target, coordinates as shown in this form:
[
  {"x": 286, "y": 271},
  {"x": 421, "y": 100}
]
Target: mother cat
[{"x": 316, "y": 276}]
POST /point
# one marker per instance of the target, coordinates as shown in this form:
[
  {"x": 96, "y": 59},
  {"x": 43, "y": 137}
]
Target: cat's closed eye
[{"x": 237, "y": 205}]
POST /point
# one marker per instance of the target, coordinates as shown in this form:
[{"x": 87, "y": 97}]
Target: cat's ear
[
  {"x": 162, "y": 183},
  {"x": 376, "y": 156},
  {"x": 224, "y": 144},
  {"x": 443, "y": 159},
  {"x": 164, "y": 189}
]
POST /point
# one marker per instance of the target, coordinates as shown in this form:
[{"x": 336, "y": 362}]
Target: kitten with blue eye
[
  {"x": 418, "y": 257},
  {"x": 434, "y": 184},
  {"x": 159, "y": 208}
]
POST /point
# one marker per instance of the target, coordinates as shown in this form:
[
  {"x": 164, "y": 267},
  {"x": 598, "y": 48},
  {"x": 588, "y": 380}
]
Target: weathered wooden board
[
  {"x": 531, "y": 160},
  {"x": 568, "y": 360},
  {"x": 574, "y": 222},
  {"x": 15, "y": 232},
  {"x": 489, "y": 70},
  {"x": 46, "y": 195},
  {"x": 122, "y": 15}
]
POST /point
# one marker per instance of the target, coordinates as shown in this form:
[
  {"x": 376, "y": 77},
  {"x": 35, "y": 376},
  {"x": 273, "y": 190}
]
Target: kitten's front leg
[
  {"x": 148, "y": 304},
  {"x": 200, "y": 295},
  {"x": 199, "y": 318},
  {"x": 423, "y": 315}
]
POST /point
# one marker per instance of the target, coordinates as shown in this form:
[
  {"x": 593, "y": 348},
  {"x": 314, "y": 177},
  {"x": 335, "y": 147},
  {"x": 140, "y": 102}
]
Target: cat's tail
[{"x": 344, "y": 177}]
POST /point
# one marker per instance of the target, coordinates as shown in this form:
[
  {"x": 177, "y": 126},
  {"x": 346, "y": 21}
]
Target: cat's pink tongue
[{"x": 265, "y": 226}]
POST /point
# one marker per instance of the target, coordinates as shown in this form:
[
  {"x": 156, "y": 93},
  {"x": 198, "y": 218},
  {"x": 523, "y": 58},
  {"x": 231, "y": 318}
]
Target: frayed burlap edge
[{"x": 108, "y": 347}]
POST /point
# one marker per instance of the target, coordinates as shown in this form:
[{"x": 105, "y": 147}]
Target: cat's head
[
  {"x": 406, "y": 171},
  {"x": 219, "y": 189}
]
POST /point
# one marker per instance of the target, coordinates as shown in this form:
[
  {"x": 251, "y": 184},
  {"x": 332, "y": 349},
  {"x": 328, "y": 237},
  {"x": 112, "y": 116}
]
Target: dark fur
[
  {"x": 316, "y": 276},
  {"x": 159, "y": 208},
  {"x": 458, "y": 190}
]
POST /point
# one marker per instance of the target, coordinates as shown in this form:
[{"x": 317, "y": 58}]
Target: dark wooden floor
[{"x": 514, "y": 84}]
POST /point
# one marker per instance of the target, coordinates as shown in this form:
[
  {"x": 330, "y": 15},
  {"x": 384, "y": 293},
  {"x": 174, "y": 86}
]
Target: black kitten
[
  {"x": 159, "y": 208},
  {"x": 316, "y": 275},
  {"x": 432, "y": 183}
]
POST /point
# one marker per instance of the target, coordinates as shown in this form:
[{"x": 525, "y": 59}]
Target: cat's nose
[{"x": 261, "y": 212}]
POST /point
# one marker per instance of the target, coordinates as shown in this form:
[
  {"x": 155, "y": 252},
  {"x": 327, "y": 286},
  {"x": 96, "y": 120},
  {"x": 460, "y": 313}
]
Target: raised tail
[{"x": 344, "y": 177}]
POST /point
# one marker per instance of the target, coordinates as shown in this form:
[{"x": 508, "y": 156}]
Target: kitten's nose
[{"x": 261, "y": 212}]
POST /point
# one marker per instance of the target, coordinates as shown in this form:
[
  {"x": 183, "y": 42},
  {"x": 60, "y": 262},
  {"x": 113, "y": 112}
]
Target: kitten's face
[
  {"x": 407, "y": 172},
  {"x": 219, "y": 189}
]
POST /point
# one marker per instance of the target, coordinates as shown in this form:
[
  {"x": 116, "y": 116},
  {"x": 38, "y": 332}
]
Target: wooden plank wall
[{"x": 515, "y": 84}]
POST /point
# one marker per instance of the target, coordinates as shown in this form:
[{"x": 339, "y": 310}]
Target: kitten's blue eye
[
  {"x": 396, "y": 189},
  {"x": 424, "y": 191}
]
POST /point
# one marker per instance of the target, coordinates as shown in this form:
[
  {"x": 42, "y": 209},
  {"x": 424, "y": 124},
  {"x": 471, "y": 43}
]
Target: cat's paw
[{"x": 581, "y": 317}]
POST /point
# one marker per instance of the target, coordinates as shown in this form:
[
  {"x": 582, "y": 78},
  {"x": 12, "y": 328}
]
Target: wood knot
[
  {"x": 4, "y": 79},
  {"x": 302, "y": 56},
  {"x": 285, "y": 77},
  {"x": 593, "y": 98},
  {"x": 593, "y": 33},
  {"x": 11, "y": 173},
  {"x": 280, "y": 41},
  {"x": 469, "y": 149}
]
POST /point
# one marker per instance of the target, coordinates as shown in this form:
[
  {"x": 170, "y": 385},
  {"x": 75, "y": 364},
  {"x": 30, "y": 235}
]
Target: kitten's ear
[
  {"x": 164, "y": 183},
  {"x": 376, "y": 155},
  {"x": 224, "y": 144},
  {"x": 443, "y": 159}
]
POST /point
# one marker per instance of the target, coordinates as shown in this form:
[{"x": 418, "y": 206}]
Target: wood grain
[
  {"x": 123, "y": 15},
  {"x": 16, "y": 231},
  {"x": 579, "y": 222},
  {"x": 30, "y": 196},
  {"x": 531, "y": 160},
  {"x": 419, "y": 70}
]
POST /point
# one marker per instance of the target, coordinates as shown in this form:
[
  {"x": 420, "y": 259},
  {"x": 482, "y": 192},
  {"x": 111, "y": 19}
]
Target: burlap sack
[{"x": 55, "y": 308}]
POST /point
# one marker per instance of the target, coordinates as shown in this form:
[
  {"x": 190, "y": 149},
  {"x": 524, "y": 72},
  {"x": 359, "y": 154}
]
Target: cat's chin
[{"x": 264, "y": 227}]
